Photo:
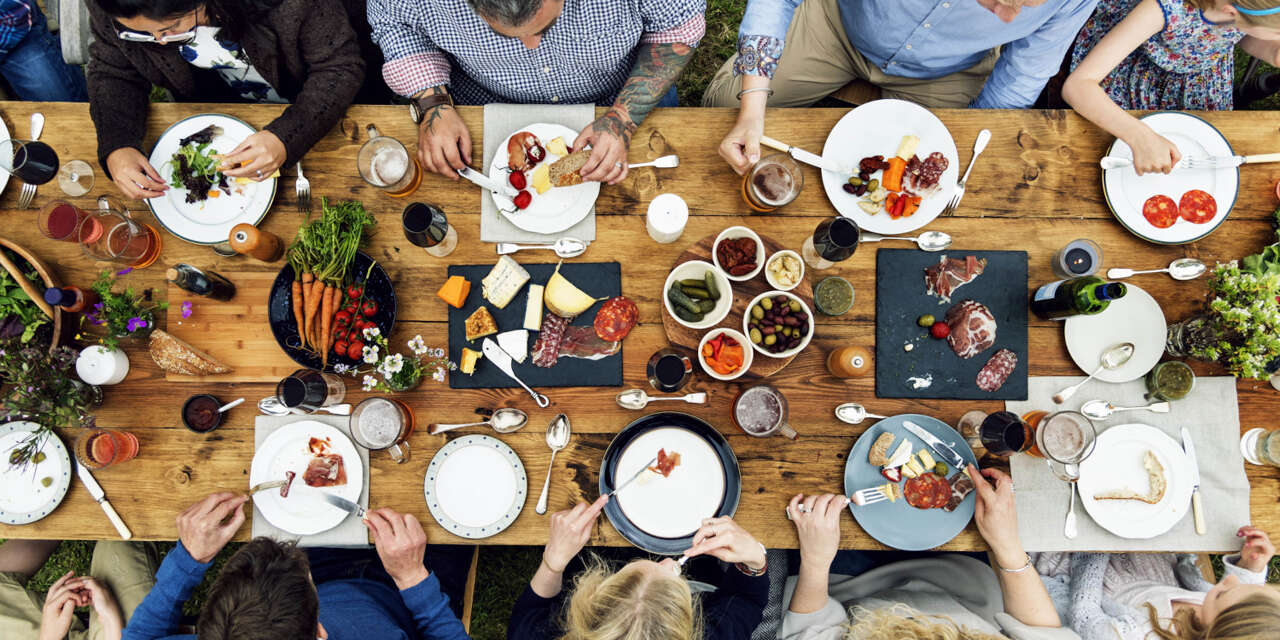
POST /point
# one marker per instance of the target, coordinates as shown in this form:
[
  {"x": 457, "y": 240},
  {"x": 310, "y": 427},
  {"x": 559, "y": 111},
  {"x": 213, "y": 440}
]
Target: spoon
[
  {"x": 1113, "y": 357},
  {"x": 638, "y": 399},
  {"x": 665, "y": 162},
  {"x": 1069, "y": 528},
  {"x": 854, "y": 413},
  {"x": 564, "y": 247},
  {"x": 557, "y": 439},
  {"x": 270, "y": 406},
  {"x": 1101, "y": 409},
  {"x": 504, "y": 420},
  {"x": 230, "y": 405},
  {"x": 1180, "y": 269},
  {"x": 927, "y": 241}
]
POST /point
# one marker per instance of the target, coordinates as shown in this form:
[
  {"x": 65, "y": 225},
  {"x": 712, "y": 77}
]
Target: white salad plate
[
  {"x": 1117, "y": 464},
  {"x": 304, "y": 512},
  {"x": 876, "y": 129},
  {"x": 24, "y": 498},
  {"x": 475, "y": 486},
  {"x": 4, "y": 175},
  {"x": 674, "y": 506},
  {"x": 1135, "y": 318},
  {"x": 210, "y": 221},
  {"x": 557, "y": 209},
  {"x": 1126, "y": 192}
]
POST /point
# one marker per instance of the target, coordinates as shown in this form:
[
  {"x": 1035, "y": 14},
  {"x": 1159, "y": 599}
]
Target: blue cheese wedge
[
  {"x": 533, "y": 308},
  {"x": 503, "y": 282},
  {"x": 515, "y": 343}
]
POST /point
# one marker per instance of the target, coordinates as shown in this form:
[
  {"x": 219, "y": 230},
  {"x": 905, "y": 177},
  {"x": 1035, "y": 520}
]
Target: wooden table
[{"x": 1035, "y": 188}]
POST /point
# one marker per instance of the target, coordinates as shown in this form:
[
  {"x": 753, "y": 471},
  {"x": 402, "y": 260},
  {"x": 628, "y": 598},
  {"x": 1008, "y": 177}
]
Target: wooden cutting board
[{"x": 235, "y": 332}]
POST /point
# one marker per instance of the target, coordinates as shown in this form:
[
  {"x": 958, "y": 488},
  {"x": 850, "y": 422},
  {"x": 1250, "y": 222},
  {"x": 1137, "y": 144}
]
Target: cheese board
[{"x": 744, "y": 292}]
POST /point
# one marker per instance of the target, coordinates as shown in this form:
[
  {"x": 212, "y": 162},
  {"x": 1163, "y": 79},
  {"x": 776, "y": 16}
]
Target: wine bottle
[
  {"x": 204, "y": 283},
  {"x": 1077, "y": 296}
]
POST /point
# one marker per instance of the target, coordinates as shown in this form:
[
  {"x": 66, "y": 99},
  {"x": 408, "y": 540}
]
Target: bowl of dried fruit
[{"x": 738, "y": 253}]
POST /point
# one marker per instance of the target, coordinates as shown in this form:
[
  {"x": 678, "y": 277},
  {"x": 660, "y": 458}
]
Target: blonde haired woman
[
  {"x": 644, "y": 600},
  {"x": 943, "y": 597}
]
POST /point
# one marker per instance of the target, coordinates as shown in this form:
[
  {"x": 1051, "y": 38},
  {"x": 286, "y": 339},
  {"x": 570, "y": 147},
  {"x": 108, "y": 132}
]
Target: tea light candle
[
  {"x": 667, "y": 217},
  {"x": 98, "y": 365},
  {"x": 1080, "y": 257},
  {"x": 1275, "y": 381}
]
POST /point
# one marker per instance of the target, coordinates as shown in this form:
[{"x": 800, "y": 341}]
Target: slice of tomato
[
  {"x": 1161, "y": 211},
  {"x": 1197, "y": 207}
]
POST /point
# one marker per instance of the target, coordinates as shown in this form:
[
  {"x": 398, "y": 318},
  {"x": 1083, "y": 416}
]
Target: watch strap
[{"x": 434, "y": 100}]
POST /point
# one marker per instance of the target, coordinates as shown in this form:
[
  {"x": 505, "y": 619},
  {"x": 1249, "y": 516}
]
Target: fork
[
  {"x": 872, "y": 495},
  {"x": 979, "y": 145},
  {"x": 29, "y": 190},
  {"x": 304, "y": 192}
]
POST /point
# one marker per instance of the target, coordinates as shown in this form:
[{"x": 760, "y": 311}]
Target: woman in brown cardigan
[{"x": 301, "y": 52}]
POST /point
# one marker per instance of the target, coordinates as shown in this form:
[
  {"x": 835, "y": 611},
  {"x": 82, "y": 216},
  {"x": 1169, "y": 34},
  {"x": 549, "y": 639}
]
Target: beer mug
[
  {"x": 383, "y": 424},
  {"x": 761, "y": 411},
  {"x": 384, "y": 163}
]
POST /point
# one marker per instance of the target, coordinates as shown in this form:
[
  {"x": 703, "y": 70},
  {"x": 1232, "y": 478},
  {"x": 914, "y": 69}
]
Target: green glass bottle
[{"x": 1078, "y": 296}]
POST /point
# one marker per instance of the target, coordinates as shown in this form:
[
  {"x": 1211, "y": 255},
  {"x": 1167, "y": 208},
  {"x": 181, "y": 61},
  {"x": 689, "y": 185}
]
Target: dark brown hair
[{"x": 263, "y": 593}]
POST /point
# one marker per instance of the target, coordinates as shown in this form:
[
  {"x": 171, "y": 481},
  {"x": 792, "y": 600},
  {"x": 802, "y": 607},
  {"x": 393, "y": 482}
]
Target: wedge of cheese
[
  {"x": 565, "y": 299},
  {"x": 480, "y": 324},
  {"x": 515, "y": 343},
  {"x": 541, "y": 178},
  {"x": 557, "y": 147},
  {"x": 926, "y": 460},
  {"x": 469, "y": 359},
  {"x": 533, "y": 308},
  {"x": 503, "y": 282}
]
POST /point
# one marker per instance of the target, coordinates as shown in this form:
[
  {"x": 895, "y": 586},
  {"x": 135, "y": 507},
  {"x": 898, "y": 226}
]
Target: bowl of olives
[{"x": 778, "y": 324}]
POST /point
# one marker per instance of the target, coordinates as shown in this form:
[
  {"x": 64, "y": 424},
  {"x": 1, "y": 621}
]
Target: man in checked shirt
[{"x": 625, "y": 54}]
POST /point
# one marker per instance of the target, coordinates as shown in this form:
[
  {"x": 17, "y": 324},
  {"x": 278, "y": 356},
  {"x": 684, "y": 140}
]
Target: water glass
[
  {"x": 1261, "y": 447},
  {"x": 383, "y": 424},
  {"x": 98, "y": 448},
  {"x": 384, "y": 163},
  {"x": 426, "y": 226}
]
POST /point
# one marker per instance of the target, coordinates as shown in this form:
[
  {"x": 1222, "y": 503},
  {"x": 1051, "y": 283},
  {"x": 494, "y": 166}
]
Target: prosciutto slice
[
  {"x": 949, "y": 274},
  {"x": 546, "y": 349},
  {"x": 325, "y": 471},
  {"x": 973, "y": 328}
]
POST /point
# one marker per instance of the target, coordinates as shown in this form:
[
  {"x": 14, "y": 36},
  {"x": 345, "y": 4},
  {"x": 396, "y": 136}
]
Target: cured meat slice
[
  {"x": 949, "y": 274},
  {"x": 546, "y": 349},
  {"x": 615, "y": 319},
  {"x": 997, "y": 370},
  {"x": 1197, "y": 207},
  {"x": 927, "y": 491},
  {"x": 1160, "y": 211},
  {"x": 325, "y": 471},
  {"x": 582, "y": 342},
  {"x": 667, "y": 462},
  {"x": 973, "y": 328},
  {"x": 288, "y": 482},
  {"x": 961, "y": 487},
  {"x": 922, "y": 177}
]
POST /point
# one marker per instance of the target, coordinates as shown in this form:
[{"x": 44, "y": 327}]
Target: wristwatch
[{"x": 418, "y": 107}]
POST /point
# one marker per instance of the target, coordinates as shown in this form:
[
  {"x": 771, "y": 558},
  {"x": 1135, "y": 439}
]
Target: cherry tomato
[
  {"x": 939, "y": 330},
  {"x": 354, "y": 292},
  {"x": 523, "y": 199},
  {"x": 355, "y": 350},
  {"x": 350, "y": 308},
  {"x": 343, "y": 317},
  {"x": 517, "y": 179},
  {"x": 354, "y": 335},
  {"x": 340, "y": 347},
  {"x": 369, "y": 309}
]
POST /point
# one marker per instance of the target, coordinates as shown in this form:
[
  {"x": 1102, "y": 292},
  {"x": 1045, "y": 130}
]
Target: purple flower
[
  {"x": 124, "y": 271},
  {"x": 135, "y": 324},
  {"x": 186, "y": 309}
]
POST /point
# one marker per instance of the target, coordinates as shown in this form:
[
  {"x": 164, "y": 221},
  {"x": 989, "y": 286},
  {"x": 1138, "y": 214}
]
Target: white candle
[
  {"x": 98, "y": 366},
  {"x": 668, "y": 214},
  {"x": 1275, "y": 381}
]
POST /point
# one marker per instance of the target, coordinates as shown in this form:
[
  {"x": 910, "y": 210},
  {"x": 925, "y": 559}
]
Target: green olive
[
  {"x": 777, "y": 328},
  {"x": 795, "y": 306},
  {"x": 46, "y": 481},
  {"x": 757, "y": 312},
  {"x": 925, "y": 321},
  {"x": 38, "y": 457},
  {"x": 15, "y": 457},
  {"x": 770, "y": 339},
  {"x": 873, "y": 184},
  {"x": 755, "y": 336},
  {"x": 767, "y": 303},
  {"x": 855, "y": 181}
]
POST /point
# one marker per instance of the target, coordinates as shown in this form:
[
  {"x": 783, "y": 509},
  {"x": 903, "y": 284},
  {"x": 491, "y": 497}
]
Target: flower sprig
[
  {"x": 394, "y": 371},
  {"x": 123, "y": 313},
  {"x": 1244, "y": 320}
]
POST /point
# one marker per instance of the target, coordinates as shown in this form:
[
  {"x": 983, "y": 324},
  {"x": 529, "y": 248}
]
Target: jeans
[
  {"x": 35, "y": 70},
  {"x": 450, "y": 563},
  {"x": 670, "y": 99}
]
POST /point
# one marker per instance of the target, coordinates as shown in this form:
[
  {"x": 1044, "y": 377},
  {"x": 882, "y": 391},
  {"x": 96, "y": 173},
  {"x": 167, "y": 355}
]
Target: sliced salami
[
  {"x": 1160, "y": 211},
  {"x": 615, "y": 319},
  {"x": 1197, "y": 207},
  {"x": 923, "y": 176},
  {"x": 546, "y": 349},
  {"x": 927, "y": 491},
  {"x": 997, "y": 370}
]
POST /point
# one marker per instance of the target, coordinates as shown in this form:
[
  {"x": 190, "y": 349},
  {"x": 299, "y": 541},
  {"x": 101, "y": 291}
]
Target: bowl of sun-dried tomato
[{"x": 738, "y": 253}]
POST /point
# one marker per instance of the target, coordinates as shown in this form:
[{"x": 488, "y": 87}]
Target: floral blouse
[{"x": 208, "y": 51}]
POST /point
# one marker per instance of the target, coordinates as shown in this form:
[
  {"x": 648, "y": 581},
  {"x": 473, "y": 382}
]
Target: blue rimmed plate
[
  {"x": 475, "y": 486},
  {"x": 24, "y": 498}
]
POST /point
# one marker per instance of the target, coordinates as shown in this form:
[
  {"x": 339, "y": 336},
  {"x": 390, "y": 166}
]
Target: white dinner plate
[
  {"x": 1116, "y": 464},
  {"x": 207, "y": 222},
  {"x": 1135, "y": 318},
  {"x": 23, "y": 496},
  {"x": 304, "y": 512},
  {"x": 1125, "y": 191},
  {"x": 674, "y": 506},
  {"x": 557, "y": 209},
  {"x": 875, "y": 129},
  {"x": 475, "y": 486},
  {"x": 4, "y": 175}
]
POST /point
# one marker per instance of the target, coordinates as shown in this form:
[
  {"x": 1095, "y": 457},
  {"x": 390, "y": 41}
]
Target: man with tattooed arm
[{"x": 624, "y": 54}]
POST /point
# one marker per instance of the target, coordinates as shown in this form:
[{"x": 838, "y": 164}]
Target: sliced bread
[
  {"x": 879, "y": 455},
  {"x": 175, "y": 355},
  {"x": 567, "y": 171}
]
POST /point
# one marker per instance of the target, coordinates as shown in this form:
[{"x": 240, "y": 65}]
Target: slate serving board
[
  {"x": 597, "y": 279},
  {"x": 901, "y": 300}
]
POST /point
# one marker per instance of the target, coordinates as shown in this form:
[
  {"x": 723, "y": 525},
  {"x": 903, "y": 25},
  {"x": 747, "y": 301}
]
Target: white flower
[
  {"x": 371, "y": 333},
  {"x": 437, "y": 353},
  {"x": 341, "y": 368},
  {"x": 370, "y": 382},
  {"x": 418, "y": 345},
  {"x": 393, "y": 364},
  {"x": 438, "y": 376},
  {"x": 370, "y": 353}
]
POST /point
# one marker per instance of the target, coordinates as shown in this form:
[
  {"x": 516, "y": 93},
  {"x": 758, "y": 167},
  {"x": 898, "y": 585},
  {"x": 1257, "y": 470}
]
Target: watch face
[{"x": 414, "y": 113}]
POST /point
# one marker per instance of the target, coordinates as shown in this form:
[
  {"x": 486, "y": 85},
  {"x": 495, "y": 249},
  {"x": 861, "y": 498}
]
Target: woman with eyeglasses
[
  {"x": 643, "y": 600},
  {"x": 298, "y": 52}
]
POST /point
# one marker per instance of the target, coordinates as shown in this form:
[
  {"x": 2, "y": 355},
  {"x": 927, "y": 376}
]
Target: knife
[
  {"x": 939, "y": 447},
  {"x": 1200, "y": 162},
  {"x": 484, "y": 181},
  {"x": 100, "y": 496},
  {"x": 634, "y": 476},
  {"x": 502, "y": 360},
  {"x": 807, "y": 157},
  {"x": 1197, "y": 510},
  {"x": 345, "y": 504}
]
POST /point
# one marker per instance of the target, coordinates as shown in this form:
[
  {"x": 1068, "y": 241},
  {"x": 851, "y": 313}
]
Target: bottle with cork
[
  {"x": 249, "y": 240},
  {"x": 71, "y": 298},
  {"x": 204, "y": 283}
]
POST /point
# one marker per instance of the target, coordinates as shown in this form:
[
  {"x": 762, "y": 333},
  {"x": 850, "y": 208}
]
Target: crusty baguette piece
[
  {"x": 567, "y": 171},
  {"x": 1156, "y": 478},
  {"x": 879, "y": 455},
  {"x": 175, "y": 355}
]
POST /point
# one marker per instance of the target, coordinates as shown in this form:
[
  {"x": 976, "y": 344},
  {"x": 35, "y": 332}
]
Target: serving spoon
[
  {"x": 1102, "y": 409},
  {"x": 504, "y": 420},
  {"x": 1113, "y": 357},
  {"x": 927, "y": 241},
  {"x": 854, "y": 413},
  {"x": 564, "y": 247},
  {"x": 557, "y": 438},
  {"x": 1180, "y": 269},
  {"x": 638, "y": 399}
]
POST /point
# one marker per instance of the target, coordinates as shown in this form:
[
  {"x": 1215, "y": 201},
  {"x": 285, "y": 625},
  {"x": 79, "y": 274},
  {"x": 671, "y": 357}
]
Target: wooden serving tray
[
  {"x": 235, "y": 332},
  {"x": 762, "y": 366}
]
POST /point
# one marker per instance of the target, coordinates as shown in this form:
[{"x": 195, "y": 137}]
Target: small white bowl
[
  {"x": 739, "y": 232},
  {"x": 747, "y": 353},
  {"x": 746, "y": 324},
  {"x": 773, "y": 282},
  {"x": 698, "y": 269}
]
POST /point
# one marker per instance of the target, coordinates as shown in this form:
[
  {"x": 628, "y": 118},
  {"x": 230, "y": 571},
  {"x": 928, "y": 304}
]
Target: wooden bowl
[{"x": 46, "y": 275}]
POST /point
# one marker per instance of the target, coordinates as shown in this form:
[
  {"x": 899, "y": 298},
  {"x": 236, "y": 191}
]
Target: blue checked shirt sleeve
[
  {"x": 412, "y": 61},
  {"x": 761, "y": 36},
  {"x": 15, "y": 23},
  {"x": 1026, "y": 65}
]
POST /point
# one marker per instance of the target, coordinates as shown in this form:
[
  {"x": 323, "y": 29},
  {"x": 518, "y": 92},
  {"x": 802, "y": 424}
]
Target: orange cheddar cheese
[{"x": 455, "y": 291}]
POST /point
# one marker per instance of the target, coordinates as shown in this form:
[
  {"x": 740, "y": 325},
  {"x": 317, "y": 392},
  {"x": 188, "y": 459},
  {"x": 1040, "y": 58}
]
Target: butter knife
[
  {"x": 807, "y": 157},
  {"x": 939, "y": 447},
  {"x": 634, "y": 476},
  {"x": 345, "y": 504},
  {"x": 100, "y": 497},
  {"x": 485, "y": 182},
  {"x": 503, "y": 361},
  {"x": 1197, "y": 510}
]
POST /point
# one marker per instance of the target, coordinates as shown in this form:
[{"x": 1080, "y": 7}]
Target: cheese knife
[
  {"x": 100, "y": 496},
  {"x": 939, "y": 447},
  {"x": 807, "y": 157},
  {"x": 346, "y": 505},
  {"x": 503, "y": 361},
  {"x": 1199, "y": 162},
  {"x": 484, "y": 181},
  {"x": 1197, "y": 510}
]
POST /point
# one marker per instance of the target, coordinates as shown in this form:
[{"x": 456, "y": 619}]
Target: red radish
[
  {"x": 517, "y": 180},
  {"x": 523, "y": 199},
  {"x": 939, "y": 330}
]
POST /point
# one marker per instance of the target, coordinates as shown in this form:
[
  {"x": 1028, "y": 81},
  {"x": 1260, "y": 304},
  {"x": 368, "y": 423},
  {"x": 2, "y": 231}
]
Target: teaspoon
[
  {"x": 564, "y": 247},
  {"x": 1110, "y": 359},
  {"x": 504, "y": 420},
  {"x": 854, "y": 413},
  {"x": 1069, "y": 529},
  {"x": 927, "y": 241},
  {"x": 1180, "y": 269},
  {"x": 638, "y": 399},
  {"x": 1101, "y": 409}
]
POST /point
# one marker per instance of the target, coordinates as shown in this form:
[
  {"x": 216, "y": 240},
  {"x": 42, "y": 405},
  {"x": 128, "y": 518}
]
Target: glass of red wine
[
  {"x": 32, "y": 161},
  {"x": 1003, "y": 433},
  {"x": 834, "y": 240}
]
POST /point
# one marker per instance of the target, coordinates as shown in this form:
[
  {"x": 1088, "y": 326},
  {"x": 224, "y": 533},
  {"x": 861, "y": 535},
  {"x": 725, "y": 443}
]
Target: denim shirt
[{"x": 932, "y": 38}]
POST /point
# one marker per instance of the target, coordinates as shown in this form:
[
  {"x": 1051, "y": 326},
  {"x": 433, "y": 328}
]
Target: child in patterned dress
[{"x": 1163, "y": 54}]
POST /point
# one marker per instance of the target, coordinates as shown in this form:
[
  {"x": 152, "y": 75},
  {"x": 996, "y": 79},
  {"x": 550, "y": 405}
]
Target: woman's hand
[
  {"x": 1257, "y": 550},
  {"x": 258, "y": 157},
  {"x": 570, "y": 531},
  {"x": 817, "y": 520},
  {"x": 60, "y": 606},
  {"x": 725, "y": 539},
  {"x": 741, "y": 147},
  {"x": 105, "y": 605},
  {"x": 134, "y": 175},
  {"x": 1152, "y": 152},
  {"x": 996, "y": 515}
]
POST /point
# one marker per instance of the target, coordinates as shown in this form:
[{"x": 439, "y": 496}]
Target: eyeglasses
[{"x": 134, "y": 36}]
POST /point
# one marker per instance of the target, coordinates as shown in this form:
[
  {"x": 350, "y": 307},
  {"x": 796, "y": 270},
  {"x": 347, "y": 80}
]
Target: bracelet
[
  {"x": 742, "y": 566},
  {"x": 1019, "y": 569},
  {"x": 543, "y": 562},
  {"x": 752, "y": 90}
]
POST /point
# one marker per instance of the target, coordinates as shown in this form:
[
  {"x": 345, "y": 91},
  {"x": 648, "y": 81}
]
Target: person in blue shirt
[
  {"x": 987, "y": 54},
  {"x": 31, "y": 57},
  {"x": 271, "y": 590}
]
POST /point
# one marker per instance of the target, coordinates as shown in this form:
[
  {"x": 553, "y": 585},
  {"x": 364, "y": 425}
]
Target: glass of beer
[
  {"x": 761, "y": 411},
  {"x": 383, "y": 424},
  {"x": 772, "y": 182},
  {"x": 100, "y": 448},
  {"x": 1064, "y": 438},
  {"x": 384, "y": 163},
  {"x": 112, "y": 235}
]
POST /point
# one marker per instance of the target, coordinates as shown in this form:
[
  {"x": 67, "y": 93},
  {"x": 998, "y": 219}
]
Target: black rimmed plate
[
  {"x": 657, "y": 514},
  {"x": 280, "y": 310}
]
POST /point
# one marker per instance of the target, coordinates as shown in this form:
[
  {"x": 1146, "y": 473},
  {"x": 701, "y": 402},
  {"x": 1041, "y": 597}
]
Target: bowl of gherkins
[{"x": 697, "y": 294}]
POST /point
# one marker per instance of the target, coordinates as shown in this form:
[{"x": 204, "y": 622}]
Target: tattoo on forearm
[
  {"x": 656, "y": 69},
  {"x": 615, "y": 123},
  {"x": 434, "y": 113}
]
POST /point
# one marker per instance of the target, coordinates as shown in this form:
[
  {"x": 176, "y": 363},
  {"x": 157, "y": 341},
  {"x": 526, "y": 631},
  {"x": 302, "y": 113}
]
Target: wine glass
[{"x": 75, "y": 178}]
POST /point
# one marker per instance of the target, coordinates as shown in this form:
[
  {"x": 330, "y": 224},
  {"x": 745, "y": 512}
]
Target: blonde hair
[
  {"x": 901, "y": 622},
  {"x": 1260, "y": 5},
  {"x": 629, "y": 605},
  {"x": 1256, "y": 617}
]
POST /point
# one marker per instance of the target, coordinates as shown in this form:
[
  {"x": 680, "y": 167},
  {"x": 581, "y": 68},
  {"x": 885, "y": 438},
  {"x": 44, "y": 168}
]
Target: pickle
[{"x": 710, "y": 280}]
